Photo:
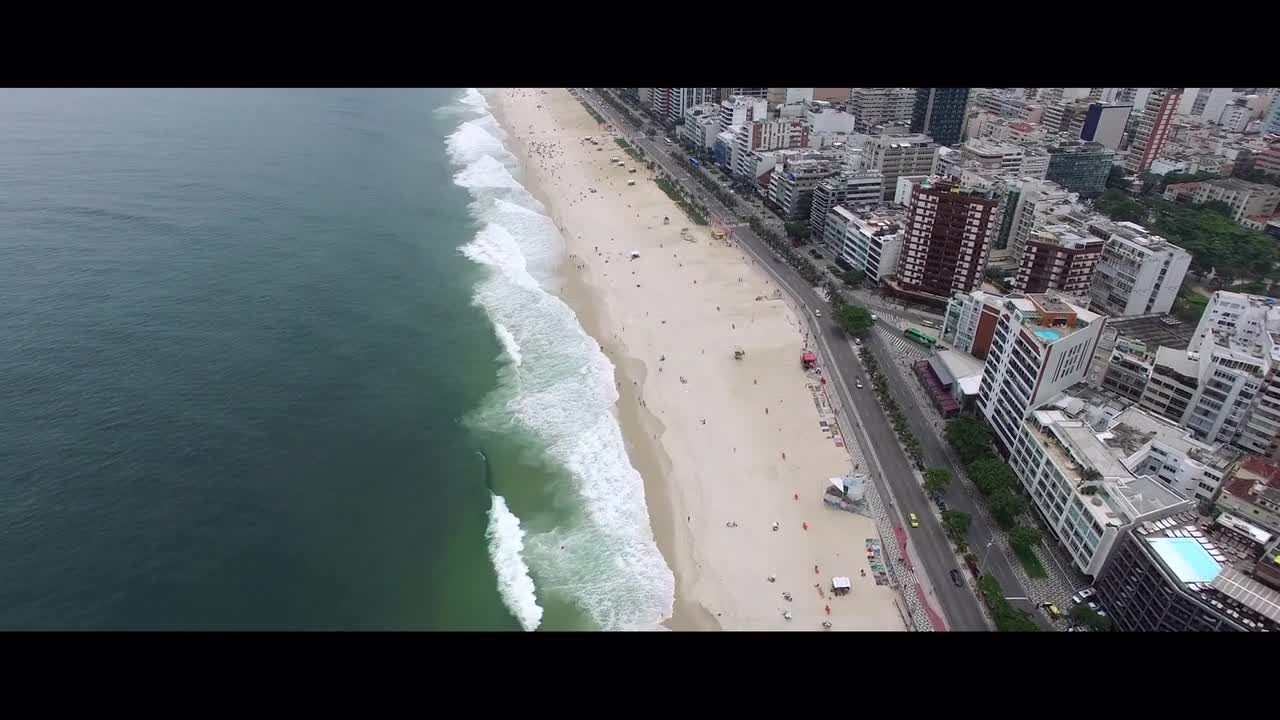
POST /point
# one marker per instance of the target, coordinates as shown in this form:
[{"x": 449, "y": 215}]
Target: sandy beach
[{"x": 727, "y": 447}]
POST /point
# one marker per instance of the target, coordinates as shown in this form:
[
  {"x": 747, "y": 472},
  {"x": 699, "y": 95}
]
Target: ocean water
[{"x": 291, "y": 359}]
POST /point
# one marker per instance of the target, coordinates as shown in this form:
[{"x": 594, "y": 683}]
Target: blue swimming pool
[
  {"x": 1187, "y": 558},
  {"x": 1047, "y": 334}
]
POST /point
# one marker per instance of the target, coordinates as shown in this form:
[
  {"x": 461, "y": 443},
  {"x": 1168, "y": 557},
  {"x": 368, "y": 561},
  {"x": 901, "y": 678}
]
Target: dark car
[
  {"x": 955, "y": 577},
  {"x": 940, "y": 502}
]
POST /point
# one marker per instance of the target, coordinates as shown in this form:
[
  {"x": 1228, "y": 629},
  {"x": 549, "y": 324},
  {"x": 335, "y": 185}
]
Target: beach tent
[{"x": 841, "y": 585}]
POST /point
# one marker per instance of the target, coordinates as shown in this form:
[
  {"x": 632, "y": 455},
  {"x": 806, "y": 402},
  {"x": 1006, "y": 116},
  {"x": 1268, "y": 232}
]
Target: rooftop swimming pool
[
  {"x": 1047, "y": 334},
  {"x": 1187, "y": 558}
]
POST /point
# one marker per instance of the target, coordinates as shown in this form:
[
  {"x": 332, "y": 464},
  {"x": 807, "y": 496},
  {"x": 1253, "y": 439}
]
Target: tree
[
  {"x": 1006, "y": 507},
  {"x": 991, "y": 474},
  {"x": 1119, "y": 207},
  {"x": 1082, "y": 615},
  {"x": 852, "y": 319},
  {"x": 970, "y": 437},
  {"x": 854, "y": 277},
  {"x": 1024, "y": 537},
  {"x": 956, "y": 524},
  {"x": 1219, "y": 207},
  {"x": 936, "y": 480},
  {"x": 797, "y": 230},
  {"x": 1116, "y": 178}
]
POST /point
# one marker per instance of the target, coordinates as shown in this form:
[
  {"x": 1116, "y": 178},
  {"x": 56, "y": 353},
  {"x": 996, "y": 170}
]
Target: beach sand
[{"x": 718, "y": 440}]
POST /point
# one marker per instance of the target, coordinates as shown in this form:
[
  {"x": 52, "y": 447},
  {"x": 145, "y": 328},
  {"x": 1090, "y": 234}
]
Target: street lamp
[{"x": 987, "y": 554}]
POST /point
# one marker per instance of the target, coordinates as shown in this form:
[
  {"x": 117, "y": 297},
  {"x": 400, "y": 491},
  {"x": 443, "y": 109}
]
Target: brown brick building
[{"x": 948, "y": 236}]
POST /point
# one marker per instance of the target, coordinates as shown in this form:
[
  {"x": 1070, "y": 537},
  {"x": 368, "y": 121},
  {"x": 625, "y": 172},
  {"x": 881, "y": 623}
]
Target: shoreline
[
  {"x": 712, "y": 447},
  {"x": 640, "y": 427}
]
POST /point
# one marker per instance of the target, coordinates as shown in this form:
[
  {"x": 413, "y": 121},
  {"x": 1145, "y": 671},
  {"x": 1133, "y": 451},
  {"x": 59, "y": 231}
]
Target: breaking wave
[{"x": 604, "y": 560}]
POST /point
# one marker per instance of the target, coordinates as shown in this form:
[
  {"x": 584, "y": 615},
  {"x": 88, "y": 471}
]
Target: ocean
[{"x": 292, "y": 359}]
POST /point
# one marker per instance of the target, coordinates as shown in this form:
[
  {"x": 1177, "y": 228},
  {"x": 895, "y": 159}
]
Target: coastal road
[{"x": 887, "y": 464}]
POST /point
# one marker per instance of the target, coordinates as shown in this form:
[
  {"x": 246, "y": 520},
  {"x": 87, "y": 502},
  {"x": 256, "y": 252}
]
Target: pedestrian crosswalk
[{"x": 898, "y": 344}]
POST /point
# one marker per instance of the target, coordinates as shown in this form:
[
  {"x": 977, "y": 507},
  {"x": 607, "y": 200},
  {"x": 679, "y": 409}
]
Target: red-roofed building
[{"x": 1253, "y": 493}]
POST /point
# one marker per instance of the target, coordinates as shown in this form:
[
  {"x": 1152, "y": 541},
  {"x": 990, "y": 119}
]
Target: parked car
[
  {"x": 941, "y": 503},
  {"x": 955, "y": 577},
  {"x": 859, "y": 384},
  {"x": 1083, "y": 595}
]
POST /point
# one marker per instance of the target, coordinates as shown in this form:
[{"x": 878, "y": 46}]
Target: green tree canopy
[
  {"x": 1120, "y": 207},
  {"x": 991, "y": 475},
  {"x": 853, "y": 319},
  {"x": 1084, "y": 616},
  {"x": 970, "y": 437},
  {"x": 1024, "y": 536},
  {"x": 956, "y": 524},
  {"x": 936, "y": 480},
  {"x": 1006, "y": 507}
]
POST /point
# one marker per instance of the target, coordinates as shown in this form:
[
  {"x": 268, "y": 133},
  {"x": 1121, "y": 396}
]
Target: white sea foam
[
  {"x": 604, "y": 560},
  {"x": 509, "y": 344},
  {"x": 506, "y": 545}
]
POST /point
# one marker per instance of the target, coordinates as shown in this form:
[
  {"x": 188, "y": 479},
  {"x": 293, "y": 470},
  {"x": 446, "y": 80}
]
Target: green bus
[{"x": 916, "y": 336}]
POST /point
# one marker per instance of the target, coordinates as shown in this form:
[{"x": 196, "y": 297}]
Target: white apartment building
[
  {"x": 870, "y": 240},
  {"x": 850, "y": 189},
  {"x": 970, "y": 321},
  {"x": 740, "y": 109},
  {"x": 763, "y": 135},
  {"x": 1009, "y": 104},
  {"x": 1042, "y": 345},
  {"x": 792, "y": 184},
  {"x": 1247, "y": 199},
  {"x": 1151, "y": 445},
  {"x": 998, "y": 157},
  {"x": 1225, "y": 388},
  {"x": 1139, "y": 273},
  {"x": 872, "y": 107},
  {"x": 1234, "y": 117},
  {"x": 1085, "y": 495},
  {"x": 701, "y": 125},
  {"x": 896, "y": 155},
  {"x": 680, "y": 99},
  {"x": 1039, "y": 203}
]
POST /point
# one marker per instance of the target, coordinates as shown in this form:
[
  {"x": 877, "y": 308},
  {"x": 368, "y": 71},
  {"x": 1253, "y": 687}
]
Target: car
[
  {"x": 1081, "y": 596},
  {"x": 874, "y": 318},
  {"x": 857, "y": 341},
  {"x": 940, "y": 502},
  {"x": 859, "y": 384},
  {"x": 817, "y": 313},
  {"x": 915, "y": 521},
  {"x": 955, "y": 577},
  {"x": 1093, "y": 606},
  {"x": 927, "y": 323}
]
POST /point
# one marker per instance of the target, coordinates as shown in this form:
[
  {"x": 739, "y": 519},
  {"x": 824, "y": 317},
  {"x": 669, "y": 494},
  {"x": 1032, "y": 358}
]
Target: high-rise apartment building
[
  {"x": 869, "y": 240},
  {"x": 947, "y": 240},
  {"x": 1152, "y": 128},
  {"x": 1272, "y": 125},
  {"x": 853, "y": 190},
  {"x": 939, "y": 113},
  {"x": 1037, "y": 203},
  {"x": 1139, "y": 274},
  {"x": 1105, "y": 122},
  {"x": 970, "y": 321},
  {"x": 740, "y": 109},
  {"x": 1162, "y": 579},
  {"x": 896, "y": 155},
  {"x": 1041, "y": 346},
  {"x": 792, "y": 184},
  {"x": 1058, "y": 258},
  {"x": 872, "y": 107},
  {"x": 1081, "y": 167}
]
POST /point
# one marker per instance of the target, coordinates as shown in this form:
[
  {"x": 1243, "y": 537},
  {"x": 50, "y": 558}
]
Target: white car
[
  {"x": 859, "y": 384},
  {"x": 874, "y": 318},
  {"x": 817, "y": 313},
  {"x": 857, "y": 341},
  {"x": 1083, "y": 595}
]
